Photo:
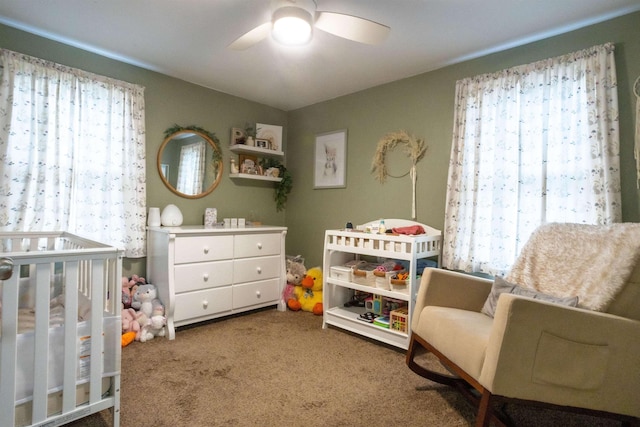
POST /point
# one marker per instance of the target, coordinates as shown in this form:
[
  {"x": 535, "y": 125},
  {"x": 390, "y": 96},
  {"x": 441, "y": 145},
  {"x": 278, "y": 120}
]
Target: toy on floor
[
  {"x": 295, "y": 272},
  {"x": 130, "y": 321},
  {"x": 308, "y": 297},
  {"x": 151, "y": 317},
  {"x": 127, "y": 338},
  {"x": 129, "y": 287}
]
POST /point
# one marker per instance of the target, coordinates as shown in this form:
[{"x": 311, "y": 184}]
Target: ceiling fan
[{"x": 292, "y": 22}]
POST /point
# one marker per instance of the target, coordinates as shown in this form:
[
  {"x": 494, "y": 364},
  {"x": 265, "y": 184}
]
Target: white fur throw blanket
[{"x": 592, "y": 262}]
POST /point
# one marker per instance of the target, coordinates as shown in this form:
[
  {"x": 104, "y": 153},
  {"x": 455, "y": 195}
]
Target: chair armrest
[
  {"x": 563, "y": 355},
  {"x": 453, "y": 289}
]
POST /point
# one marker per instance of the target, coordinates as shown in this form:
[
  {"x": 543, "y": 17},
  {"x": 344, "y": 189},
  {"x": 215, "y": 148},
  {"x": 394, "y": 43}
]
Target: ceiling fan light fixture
[{"x": 292, "y": 26}]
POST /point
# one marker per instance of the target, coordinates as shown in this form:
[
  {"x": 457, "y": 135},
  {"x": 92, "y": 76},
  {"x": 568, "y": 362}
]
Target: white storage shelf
[{"x": 342, "y": 246}]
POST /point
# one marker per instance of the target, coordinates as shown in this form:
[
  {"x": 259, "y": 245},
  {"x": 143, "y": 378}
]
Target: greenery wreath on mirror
[{"x": 217, "y": 153}]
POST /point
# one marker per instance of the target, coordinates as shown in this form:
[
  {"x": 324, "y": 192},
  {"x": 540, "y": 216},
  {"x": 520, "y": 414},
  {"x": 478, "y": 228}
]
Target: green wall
[
  {"x": 170, "y": 101},
  {"x": 422, "y": 105}
]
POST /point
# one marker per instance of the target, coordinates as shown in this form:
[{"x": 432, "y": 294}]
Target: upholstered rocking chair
[{"x": 528, "y": 339}]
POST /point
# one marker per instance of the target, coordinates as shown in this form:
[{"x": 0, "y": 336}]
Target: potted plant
[
  {"x": 251, "y": 133},
  {"x": 284, "y": 186}
]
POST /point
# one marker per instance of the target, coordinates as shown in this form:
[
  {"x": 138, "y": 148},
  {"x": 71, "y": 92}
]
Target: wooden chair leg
[{"x": 485, "y": 409}]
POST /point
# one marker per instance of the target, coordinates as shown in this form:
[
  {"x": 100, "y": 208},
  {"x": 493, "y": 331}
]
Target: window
[
  {"x": 73, "y": 153},
  {"x": 532, "y": 144},
  {"x": 191, "y": 168}
]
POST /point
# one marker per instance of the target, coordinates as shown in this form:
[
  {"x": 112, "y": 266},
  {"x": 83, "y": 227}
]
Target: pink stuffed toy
[
  {"x": 130, "y": 321},
  {"x": 129, "y": 287}
]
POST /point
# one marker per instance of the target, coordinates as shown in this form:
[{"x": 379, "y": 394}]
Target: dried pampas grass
[{"x": 414, "y": 147}]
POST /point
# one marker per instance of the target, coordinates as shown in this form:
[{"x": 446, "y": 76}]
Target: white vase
[
  {"x": 250, "y": 142},
  {"x": 171, "y": 216},
  {"x": 153, "y": 219}
]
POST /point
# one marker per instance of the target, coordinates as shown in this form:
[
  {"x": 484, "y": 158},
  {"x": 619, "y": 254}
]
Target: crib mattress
[{"x": 54, "y": 404}]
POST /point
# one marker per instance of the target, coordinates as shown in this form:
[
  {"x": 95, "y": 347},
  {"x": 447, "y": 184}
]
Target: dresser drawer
[
  {"x": 203, "y": 275},
  {"x": 262, "y": 292},
  {"x": 252, "y": 269},
  {"x": 196, "y": 304},
  {"x": 250, "y": 245},
  {"x": 203, "y": 248}
]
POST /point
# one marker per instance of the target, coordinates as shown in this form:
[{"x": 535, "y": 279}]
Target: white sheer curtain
[
  {"x": 191, "y": 168},
  {"x": 72, "y": 146},
  {"x": 532, "y": 144}
]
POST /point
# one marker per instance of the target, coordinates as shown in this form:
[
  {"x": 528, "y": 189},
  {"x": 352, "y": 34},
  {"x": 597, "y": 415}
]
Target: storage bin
[
  {"x": 363, "y": 275},
  {"x": 341, "y": 272},
  {"x": 398, "y": 284},
  {"x": 382, "y": 278}
]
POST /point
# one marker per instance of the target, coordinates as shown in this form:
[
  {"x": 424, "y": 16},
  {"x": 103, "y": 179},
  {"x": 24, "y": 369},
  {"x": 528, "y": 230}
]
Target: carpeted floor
[{"x": 270, "y": 368}]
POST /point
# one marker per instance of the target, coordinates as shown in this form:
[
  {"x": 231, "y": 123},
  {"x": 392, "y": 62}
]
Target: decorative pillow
[{"x": 501, "y": 286}]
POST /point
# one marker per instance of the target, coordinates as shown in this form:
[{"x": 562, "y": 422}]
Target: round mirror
[{"x": 190, "y": 162}]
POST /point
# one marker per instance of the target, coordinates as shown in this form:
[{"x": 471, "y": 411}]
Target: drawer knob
[
  {"x": 205, "y": 304},
  {"x": 259, "y": 270},
  {"x": 258, "y": 294},
  {"x": 259, "y": 245},
  {"x": 206, "y": 250},
  {"x": 205, "y": 276}
]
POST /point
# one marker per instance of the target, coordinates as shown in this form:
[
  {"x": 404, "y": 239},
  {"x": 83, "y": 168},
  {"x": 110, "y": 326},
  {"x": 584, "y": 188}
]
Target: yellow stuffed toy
[{"x": 308, "y": 296}]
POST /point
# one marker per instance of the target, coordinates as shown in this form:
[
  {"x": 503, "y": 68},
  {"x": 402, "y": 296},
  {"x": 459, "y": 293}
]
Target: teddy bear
[
  {"x": 295, "y": 272},
  {"x": 151, "y": 312},
  {"x": 308, "y": 296}
]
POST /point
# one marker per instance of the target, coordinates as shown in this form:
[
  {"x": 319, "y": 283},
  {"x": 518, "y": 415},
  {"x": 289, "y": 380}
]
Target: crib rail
[{"x": 59, "y": 359}]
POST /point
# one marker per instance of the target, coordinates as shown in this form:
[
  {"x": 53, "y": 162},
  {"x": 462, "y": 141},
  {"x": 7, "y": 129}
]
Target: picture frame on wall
[
  {"x": 263, "y": 143},
  {"x": 271, "y": 133},
  {"x": 249, "y": 164},
  {"x": 330, "y": 160}
]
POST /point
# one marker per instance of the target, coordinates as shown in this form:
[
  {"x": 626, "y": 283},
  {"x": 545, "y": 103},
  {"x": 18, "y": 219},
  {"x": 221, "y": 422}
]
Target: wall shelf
[
  {"x": 257, "y": 177},
  {"x": 255, "y": 151}
]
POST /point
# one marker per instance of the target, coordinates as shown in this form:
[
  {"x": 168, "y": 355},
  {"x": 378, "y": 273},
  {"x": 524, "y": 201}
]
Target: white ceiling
[{"x": 188, "y": 39}]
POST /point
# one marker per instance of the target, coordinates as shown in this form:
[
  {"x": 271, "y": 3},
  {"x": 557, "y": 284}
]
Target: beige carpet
[{"x": 271, "y": 368}]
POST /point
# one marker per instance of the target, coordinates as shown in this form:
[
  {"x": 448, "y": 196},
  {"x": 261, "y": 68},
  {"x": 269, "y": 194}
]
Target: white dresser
[{"x": 204, "y": 273}]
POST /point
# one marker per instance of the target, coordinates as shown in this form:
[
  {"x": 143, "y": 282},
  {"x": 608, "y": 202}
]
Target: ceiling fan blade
[
  {"x": 352, "y": 27},
  {"x": 252, "y": 37}
]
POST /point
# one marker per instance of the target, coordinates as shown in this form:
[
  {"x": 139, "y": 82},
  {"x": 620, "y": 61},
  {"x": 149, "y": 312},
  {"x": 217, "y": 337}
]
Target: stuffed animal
[
  {"x": 129, "y": 287},
  {"x": 151, "y": 327},
  {"x": 130, "y": 326},
  {"x": 130, "y": 321},
  {"x": 308, "y": 297},
  {"x": 295, "y": 272},
  {"x": 127, "y": 338},
  {"x": 151, "y": 312}
]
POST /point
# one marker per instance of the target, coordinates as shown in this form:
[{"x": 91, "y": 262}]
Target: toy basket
[
  {"x": 363, "y": 275},
  {"x": 399, "y": 282},
  {"x": 381, "y": 279}
]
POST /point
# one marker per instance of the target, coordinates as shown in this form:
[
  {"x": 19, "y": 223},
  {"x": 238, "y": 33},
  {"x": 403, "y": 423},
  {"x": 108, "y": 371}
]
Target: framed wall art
[
  {"x": 330, "y": 161},
  {"x": 271, "y": 133}
]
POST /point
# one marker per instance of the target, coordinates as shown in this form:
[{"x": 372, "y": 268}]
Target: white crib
[{"x": 61, "y": 329}]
